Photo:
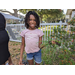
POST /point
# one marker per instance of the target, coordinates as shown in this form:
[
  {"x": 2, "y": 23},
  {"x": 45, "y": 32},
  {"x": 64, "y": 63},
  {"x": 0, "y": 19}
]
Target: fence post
[
  {"x": 60, "y": 24},
  {"x": 60, "y": 27}
]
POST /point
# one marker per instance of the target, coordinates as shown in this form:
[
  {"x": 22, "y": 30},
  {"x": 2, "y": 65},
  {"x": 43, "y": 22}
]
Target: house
[{"x": 70, "y": 14}]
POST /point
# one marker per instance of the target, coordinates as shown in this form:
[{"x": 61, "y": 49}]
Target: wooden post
[{"x": 60, "y": 24}]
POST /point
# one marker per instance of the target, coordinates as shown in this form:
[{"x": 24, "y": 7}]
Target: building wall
[{"x": 70, "y": 13}]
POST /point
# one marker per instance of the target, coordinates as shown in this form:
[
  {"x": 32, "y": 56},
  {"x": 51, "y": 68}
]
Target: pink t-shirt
[{"x": 31, "y": 39}]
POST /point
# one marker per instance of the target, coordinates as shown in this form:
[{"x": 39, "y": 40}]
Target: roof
[
  {"x": 7, "y": 16},
  {"x": 69, "y": 11}
]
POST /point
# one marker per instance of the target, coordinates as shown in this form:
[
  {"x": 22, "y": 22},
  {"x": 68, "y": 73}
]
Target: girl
[
  {"x": 4, "y": 39},
  {"x": 31, "y": 39}
]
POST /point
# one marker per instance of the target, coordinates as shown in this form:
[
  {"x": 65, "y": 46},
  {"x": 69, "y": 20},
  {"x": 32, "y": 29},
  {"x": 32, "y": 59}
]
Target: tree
[
  {"x": 47, "y": 15},
  {"x": 52, "y": 14},
  {"x": 40, "y": 12},
  {"x": 14, "y": 14}
]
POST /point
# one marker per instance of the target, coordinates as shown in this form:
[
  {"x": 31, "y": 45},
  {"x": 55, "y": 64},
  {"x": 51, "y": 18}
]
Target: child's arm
[
  {"x": 21, "y": 51},
  {"x": 40, "y": 41},
  {"x": 53, "y": 42}
]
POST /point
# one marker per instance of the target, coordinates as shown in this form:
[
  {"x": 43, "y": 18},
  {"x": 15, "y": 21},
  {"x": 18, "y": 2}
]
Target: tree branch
[{"x": 7, "y": 11}]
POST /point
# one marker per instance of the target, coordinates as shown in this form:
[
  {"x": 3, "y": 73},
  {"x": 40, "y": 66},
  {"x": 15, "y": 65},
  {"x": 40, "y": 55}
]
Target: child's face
[{"x": 32, "y": 22}]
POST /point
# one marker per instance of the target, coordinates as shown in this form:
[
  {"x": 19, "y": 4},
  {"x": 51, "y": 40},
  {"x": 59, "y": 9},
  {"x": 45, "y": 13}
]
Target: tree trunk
[
  {"x": 40, "y": 19},
  {"x": 15, "y": 14},
  {"x": 6, "y": 11}
]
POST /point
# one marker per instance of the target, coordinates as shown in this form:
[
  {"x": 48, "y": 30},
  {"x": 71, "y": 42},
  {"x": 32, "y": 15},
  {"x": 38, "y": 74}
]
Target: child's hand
[
  {"x": 20, "y": 63},
  {"x": 53, "y": 42},
  {"x": 42, "y": 46}
]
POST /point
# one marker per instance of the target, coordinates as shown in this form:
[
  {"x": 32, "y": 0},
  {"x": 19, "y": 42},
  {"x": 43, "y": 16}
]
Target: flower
[
  {"x": 62, "y": 51},
  {"x": 68, "y": 31},
  {"x": 65, "y": 50},
  {"x": 72, "y": 55},
  {"x": 69, "y": 61},
  {"x": 72, "y": 22},
  {"x": 68, "y": 23},
  {"x": 60, "y": 37},
  {"x": 49, "y": 35},
  {"x": 62, "y": 60},
  {"x": 72, "y": 40}
]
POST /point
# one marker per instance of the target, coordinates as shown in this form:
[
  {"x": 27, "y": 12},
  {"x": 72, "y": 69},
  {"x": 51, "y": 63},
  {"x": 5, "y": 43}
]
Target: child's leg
[
  {"x": 3, "y": 64},
  {"x": 36, "y": 63},
  {"x": 37, "y": 57},
  {"x": 10, "y": 61},
  {"x": 31, "y": 62},
  {"x": 30, "y": 58}
]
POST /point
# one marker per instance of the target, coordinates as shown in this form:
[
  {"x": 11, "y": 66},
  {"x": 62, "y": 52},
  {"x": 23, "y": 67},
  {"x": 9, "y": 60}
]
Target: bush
[
  {"x": 72, "y": 22},
  {"x": 60, "y": 53}
]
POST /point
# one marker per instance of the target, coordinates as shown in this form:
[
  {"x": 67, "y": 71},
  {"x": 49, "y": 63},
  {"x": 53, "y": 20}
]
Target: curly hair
[{"x": 27, "y": 19}]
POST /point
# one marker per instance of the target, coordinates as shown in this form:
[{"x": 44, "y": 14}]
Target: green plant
[
  {"x": 61, "y": 52},
  {"x": 72, "y": 21}
]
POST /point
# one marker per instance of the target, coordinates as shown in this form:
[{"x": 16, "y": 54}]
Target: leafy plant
[
  {"x": 61, "y": 52},
  {"x": 72, "y": 22}
]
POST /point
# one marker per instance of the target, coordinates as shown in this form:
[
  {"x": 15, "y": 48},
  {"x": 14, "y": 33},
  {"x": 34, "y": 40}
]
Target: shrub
[{"x": 72, "y": 22}]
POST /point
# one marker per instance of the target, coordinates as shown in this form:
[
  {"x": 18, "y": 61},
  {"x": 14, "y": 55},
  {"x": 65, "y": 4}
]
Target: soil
[{"x": 14, "y": 49}]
